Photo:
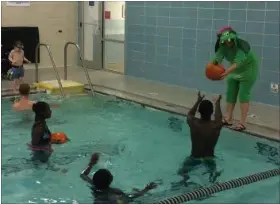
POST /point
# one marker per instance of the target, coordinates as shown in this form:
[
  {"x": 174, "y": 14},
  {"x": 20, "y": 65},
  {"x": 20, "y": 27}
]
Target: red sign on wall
[{"x": 107, "y": 14}]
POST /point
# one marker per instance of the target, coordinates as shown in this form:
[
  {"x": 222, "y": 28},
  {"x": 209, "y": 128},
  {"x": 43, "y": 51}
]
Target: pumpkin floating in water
[{"x": 59, "y": 138}]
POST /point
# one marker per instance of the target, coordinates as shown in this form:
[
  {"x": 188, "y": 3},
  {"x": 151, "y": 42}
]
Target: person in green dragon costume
[{"x": 240, "y": 76}]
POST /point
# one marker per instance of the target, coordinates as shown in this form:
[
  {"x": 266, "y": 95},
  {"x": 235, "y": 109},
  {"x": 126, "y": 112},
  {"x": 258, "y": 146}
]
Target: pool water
[{"x": 137, "y": 144}]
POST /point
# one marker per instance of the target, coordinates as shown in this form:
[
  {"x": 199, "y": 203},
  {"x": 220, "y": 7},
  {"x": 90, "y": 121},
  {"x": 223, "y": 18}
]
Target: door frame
[
  {"x": 96, "y": 63},
  {"x": 104, "y": 39},
  {"x": 101, "y": 25}
]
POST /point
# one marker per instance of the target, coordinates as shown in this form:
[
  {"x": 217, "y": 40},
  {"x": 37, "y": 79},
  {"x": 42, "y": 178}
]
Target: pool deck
[{"x": 263, "y": 120}]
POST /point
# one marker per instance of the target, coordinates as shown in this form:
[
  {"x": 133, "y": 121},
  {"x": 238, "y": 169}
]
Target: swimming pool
[{"x": 138, "y": 145}]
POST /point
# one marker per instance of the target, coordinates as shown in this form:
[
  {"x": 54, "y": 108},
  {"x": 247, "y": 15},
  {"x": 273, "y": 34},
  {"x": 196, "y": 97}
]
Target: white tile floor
[{"x": 263, "y": 120}]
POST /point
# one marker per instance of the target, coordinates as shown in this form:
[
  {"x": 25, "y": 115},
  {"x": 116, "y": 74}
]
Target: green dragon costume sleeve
[{"x": 242, "y": 79}]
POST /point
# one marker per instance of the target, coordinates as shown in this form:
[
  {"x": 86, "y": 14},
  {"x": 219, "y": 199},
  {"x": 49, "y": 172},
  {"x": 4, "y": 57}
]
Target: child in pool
[
  {"x": 204, "y": 136},
  {"x": 23, "y": 103},
  {"x": 41, "y": 135},
  {"x": 101, "y": 182}
]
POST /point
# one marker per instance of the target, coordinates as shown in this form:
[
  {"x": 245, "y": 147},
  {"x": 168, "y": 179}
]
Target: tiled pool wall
[{"x": 171, "y": 42}]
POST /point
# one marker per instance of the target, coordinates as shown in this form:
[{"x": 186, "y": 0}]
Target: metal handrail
[
  {"x": 53, "y": 64},
  {"x": 82, "y": 62}
]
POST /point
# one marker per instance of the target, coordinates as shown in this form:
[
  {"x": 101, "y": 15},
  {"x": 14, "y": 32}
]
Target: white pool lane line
[{"x": 218, "y": 187}]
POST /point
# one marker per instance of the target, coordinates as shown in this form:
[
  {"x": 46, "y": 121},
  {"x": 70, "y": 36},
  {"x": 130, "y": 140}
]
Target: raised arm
[
  {"x": 218, "y": 112},
  {"x": 84, "y": 174},
  {"x": 192, "y": 111}
]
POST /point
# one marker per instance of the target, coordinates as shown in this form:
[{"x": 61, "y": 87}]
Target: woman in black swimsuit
[{"x": 41, "y": 135}]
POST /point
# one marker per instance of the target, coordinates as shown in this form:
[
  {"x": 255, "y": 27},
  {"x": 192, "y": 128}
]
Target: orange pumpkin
[
  {"x": 59, "y": 138},
  {"x": 214, "y": 72}
]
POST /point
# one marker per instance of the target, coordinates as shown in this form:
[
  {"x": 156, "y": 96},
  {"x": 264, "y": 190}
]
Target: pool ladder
[
  {"x": 53, "y": 65},
  {"x": 65, "y": 65},
  {"x": 82, "y": 63}
]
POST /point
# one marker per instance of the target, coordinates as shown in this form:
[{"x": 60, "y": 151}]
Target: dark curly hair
[
  {"x": 206, "y": 109},
  {"x": 102, "y": 179}
]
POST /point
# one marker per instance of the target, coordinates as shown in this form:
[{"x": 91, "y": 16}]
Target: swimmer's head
[
  {"x": 206, "y": 109},
  {"x": 42, "y": 110},
  {"x": 102, "y": 179},
  {"x": 18, "y": 46},
  {"x": 24, "y": 89}
]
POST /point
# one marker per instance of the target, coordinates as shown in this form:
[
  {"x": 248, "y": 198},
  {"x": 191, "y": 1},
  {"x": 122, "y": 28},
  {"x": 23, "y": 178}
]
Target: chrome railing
[
  {"x": 82, "y": 63},
  {"x": 53, "y": 65}
]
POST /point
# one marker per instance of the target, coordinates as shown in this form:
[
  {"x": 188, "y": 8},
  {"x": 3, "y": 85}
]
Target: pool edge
[{"x": 252, "y": 129}]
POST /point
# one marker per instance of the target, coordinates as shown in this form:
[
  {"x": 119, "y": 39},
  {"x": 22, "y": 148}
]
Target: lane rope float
[{"x": 207, "y": 191}]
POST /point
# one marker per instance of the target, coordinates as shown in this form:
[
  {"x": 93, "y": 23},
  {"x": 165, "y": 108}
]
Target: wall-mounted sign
[
  {"x": 91, "y": 3},
  {"x": 107, "y": 14},
  {"x": 18, "y": 3}
]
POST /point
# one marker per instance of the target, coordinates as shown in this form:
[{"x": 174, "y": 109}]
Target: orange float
[
  {"x": 59, "y": 138},
  {"x": 214, "y": 72}
]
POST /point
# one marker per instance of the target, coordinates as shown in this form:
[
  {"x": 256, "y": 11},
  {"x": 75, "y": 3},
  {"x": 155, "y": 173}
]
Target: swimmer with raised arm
[
  {"x": 41, "y": 135},
  {"x": 204, "y": 136},
  {"x": 103, "y": 192}
]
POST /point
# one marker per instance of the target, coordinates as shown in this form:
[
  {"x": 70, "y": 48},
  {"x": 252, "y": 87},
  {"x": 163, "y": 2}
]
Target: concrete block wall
[
  {"x": 173, "y": 41},
  {"x": 50, "y": 17}
]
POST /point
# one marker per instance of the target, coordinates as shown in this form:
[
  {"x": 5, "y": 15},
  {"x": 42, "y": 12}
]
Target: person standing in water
[
  {"x": 23, "y": 103},
  {"x": 241, "y": 75},
  {"x": 103, "y": 192},
  {"x": 204, "y": 137},
  {"x": 40, "y": 134}
]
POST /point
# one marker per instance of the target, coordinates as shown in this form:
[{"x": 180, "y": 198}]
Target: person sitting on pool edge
[
  {"x": 204, "y": 136},
  {"x": 101, "y": 182},
  {"x": 41, "y": 135}
]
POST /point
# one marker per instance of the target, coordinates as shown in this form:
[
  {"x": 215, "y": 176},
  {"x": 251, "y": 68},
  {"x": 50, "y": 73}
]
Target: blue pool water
[{"x": 138, "y": 145}]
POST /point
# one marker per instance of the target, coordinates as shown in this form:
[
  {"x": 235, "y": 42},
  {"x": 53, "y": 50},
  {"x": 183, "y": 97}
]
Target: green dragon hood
[{"x": 228, "y": 34}]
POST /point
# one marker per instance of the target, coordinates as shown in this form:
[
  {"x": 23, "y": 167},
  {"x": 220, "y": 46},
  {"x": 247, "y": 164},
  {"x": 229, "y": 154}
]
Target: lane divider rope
[{"x": 207, "y": 191}]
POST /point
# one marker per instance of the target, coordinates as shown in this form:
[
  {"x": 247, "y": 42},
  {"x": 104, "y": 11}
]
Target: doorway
[
  {"x": 90, "y": 33},
  {"x": 101, "y": 34},
  {"x": 113, "y": 35}
]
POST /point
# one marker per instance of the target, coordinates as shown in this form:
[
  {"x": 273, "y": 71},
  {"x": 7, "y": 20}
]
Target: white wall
[
  {"x": 50, "y": 17},
  {"x": 114, "y": 28}
]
